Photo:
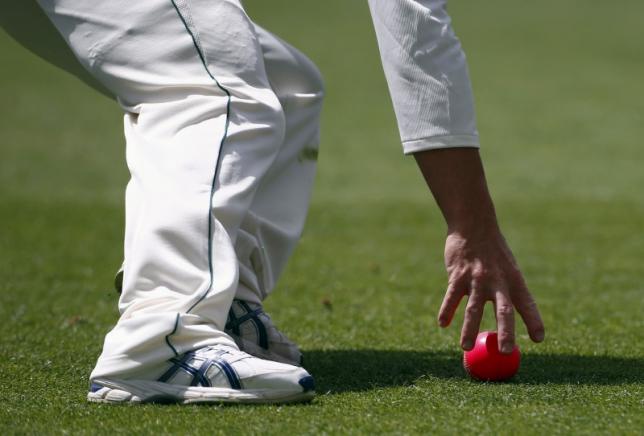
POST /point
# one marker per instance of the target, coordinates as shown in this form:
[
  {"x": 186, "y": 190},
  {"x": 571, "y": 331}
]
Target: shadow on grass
[{"x": 362, "y": 370}]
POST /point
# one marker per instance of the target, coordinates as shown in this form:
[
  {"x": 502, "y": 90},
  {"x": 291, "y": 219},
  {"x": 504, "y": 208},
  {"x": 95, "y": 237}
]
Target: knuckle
[
  {"x": 480, "y": 274},
  {"x": 531, "y": 304},
  {"x": 456, "y": 276},
  {"x": 472, "y": 310},
  {"x": 505, "y": 310},
  {"x": 528, "y": 306},
  {"x": 506, "y": 335}
]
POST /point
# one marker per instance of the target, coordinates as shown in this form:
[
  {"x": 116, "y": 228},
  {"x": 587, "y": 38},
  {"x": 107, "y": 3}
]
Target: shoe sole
[{"x": 143, "y": 391}]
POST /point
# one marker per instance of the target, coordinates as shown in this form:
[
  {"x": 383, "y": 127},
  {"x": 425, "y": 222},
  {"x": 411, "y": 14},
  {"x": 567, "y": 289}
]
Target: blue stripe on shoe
[
  {"x": 231, "y": 374},
  {"x": 262, "y": 335},
  {"x": 95, "y": 387},
  {"x": 183, "y": 364},
  {"x": 170, "y": 372},
  {"x": 200, "y": 377},
  {"x": 233, "y": 322},
  {"x": 178, "y": 364},
  {"x": 308, "y": 383}
]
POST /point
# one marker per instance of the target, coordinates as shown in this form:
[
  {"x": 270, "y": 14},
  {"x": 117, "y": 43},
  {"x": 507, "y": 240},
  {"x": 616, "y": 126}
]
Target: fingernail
[
  {"x": 539, "y": 336},
  {"x": 506, "y": 348},
  {"x": 467, "y": 344}
]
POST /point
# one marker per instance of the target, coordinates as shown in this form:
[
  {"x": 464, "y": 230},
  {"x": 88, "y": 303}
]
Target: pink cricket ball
[{"x": 485, "y": 362}]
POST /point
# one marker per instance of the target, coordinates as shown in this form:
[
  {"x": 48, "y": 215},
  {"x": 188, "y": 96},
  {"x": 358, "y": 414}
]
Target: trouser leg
[
  {"x": 203, "y": 127},
  {"x": 273, "y": 225}
]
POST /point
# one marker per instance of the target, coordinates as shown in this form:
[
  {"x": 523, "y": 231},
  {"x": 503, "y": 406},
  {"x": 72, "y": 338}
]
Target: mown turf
[{"x": 560, "y": 101}]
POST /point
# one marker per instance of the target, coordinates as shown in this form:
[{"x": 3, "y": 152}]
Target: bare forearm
[{"x": 457, "y": 180}]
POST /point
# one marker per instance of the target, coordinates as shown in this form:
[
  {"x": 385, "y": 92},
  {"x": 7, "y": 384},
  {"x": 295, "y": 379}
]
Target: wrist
[{"x": 473, "y": 224}]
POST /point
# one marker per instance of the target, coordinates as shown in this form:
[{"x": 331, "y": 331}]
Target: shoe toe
[{"x": 279, "y": 376}]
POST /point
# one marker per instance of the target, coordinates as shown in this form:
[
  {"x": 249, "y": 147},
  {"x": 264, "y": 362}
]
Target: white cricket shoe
[
  {"x": 219, "y": 374},
  {"x": 254, "y": 332}
]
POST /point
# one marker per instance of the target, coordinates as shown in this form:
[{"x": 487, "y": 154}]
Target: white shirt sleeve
[{"x": 427, "y": 74}]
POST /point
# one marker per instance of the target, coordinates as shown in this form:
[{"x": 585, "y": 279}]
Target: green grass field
[{"x": 560, "y": 101}]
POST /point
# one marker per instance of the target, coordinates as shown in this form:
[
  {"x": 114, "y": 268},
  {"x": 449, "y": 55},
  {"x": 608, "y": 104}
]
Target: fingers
[
  {"x": 453, "y": 295},
  {"x": 527, "y": 308},
  {"x": 473, "y": 316},
  {"x": 504, "y": 321}
]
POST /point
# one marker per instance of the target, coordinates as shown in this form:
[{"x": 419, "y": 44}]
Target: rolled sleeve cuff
[{"x": 437, "y": 142}]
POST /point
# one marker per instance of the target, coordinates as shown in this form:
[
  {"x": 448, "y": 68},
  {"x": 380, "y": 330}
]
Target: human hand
[
  {"x": 482, "y": 266},
  {"x": 479, "y": 262}
]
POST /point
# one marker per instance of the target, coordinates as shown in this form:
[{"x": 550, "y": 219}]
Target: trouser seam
[{"x": 189, "y": 26}]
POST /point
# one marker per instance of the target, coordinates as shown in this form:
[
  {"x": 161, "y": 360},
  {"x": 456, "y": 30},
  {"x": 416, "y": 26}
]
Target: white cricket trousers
[{"x": 222, "y": 131}]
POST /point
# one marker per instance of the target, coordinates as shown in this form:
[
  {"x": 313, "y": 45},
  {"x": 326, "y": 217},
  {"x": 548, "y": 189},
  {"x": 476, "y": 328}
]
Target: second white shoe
[
  {"x": 212, "y": 374},
  {"x": 254, "y": 332}
]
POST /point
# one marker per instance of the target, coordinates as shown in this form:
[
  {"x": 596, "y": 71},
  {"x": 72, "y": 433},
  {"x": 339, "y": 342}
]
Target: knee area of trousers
[
  {"x": 296, "y": 78},
  {"x": 304, "y": 94},
  {"x": 308, "y": 81},
  {"x": 275, "y": 118},
  {"x": 312, "y": 82}
]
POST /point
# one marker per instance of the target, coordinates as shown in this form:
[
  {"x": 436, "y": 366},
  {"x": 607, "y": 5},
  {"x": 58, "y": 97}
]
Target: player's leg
[
  {"x": 28, "y": 25},
  {"x": 296, "y": 80},
  {"x": 274, "y": 222},
  {"x": 276, "y": 216},
  {"x": 202, "y": 126}
]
